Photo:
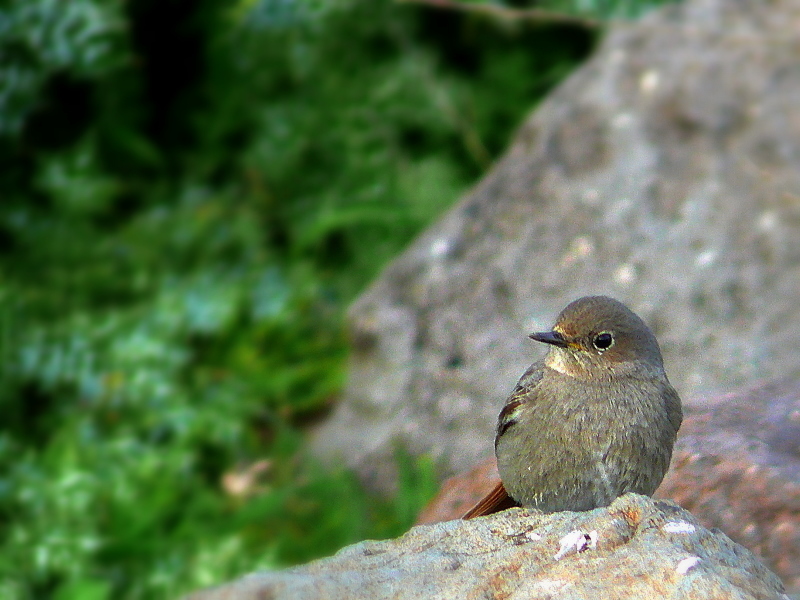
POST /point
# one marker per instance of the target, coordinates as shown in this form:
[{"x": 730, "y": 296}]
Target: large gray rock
[
  {"x": 636, "y": 549},
  {"x": 665, "y": 172}
]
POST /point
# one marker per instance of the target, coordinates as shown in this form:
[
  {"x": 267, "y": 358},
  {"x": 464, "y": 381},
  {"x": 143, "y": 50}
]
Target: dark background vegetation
[{"x": 191, "y": 192}]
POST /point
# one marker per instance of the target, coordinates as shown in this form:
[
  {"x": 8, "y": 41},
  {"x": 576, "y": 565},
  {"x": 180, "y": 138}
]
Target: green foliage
[
  {"x": 190, "y": 195},
  {"x": 45, "y": 38}
]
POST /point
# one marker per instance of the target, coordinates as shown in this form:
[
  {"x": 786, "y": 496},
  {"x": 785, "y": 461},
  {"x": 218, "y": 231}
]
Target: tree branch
[{"x": 516, "y": 14}]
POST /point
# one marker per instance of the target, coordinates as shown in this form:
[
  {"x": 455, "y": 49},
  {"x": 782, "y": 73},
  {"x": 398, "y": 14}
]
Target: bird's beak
[{"x": 550, "y": 337}]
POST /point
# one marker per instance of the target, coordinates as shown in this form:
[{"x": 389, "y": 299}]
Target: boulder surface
[{"x": 635, "y": 549}]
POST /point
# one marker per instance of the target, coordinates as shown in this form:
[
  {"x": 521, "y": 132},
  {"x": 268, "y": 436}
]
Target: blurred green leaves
[
  {"x": 43, "y": 38},
  {"x": 132, "y": 382}
]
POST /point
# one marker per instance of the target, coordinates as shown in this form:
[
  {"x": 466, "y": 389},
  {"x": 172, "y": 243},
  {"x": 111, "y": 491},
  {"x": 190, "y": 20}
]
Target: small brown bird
[{"x": 594, "y": 419}]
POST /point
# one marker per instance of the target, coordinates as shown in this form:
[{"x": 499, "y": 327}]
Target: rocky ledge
[{"x": 637, "y": 548}]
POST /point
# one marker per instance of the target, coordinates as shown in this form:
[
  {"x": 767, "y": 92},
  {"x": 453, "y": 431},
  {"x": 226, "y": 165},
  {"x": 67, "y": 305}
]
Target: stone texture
[
  {"x": 736, "y": 466},
  {"x": 461, "y": 492},
  {"x": 665, "y": 172},
  {"x": 634, "y": 549}
]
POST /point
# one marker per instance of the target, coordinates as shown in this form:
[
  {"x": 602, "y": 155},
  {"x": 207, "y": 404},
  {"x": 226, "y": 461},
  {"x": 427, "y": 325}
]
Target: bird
[{"x": 594, "y": 419}]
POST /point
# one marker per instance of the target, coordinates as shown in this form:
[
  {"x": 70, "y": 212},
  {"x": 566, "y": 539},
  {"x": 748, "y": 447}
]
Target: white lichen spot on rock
[
  {"x": 687, "y": 564},
  {"x": 679, "y": 527},
  {"x": 576, "y": 541},
  {"x": 649, "y": 81},
  {"x": 706, "y": 259},
  {"x": 625, "y": 274},
  {"x": 440, "y": 248},
  {"x": 621, "y": 120},
  {"x": 552, "y": 585},
  {"x": 768, "y": 220},
  {"x": 580, "y": 248}
]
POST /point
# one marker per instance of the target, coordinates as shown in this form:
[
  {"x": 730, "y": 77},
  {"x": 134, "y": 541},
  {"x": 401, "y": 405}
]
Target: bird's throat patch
[{"x": 555, "y": 360}]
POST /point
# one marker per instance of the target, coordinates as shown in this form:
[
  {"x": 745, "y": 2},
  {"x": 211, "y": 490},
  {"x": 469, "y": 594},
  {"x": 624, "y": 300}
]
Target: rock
[
  {"x": 461, "y": 492},
  {"x": 634, "y": 549},
  {"x": 736, "y": 466},
  {"x": 665, "y": 172}
]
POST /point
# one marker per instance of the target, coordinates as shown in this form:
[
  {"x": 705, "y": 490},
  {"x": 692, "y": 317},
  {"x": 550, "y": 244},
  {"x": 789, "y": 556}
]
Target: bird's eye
[{"x": 603, "y": 341}]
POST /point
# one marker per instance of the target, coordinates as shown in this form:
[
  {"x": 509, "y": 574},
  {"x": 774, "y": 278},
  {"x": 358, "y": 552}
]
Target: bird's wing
[
  {"x": 498, "y": 499},
  {"x": 523, "y": 393}
]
